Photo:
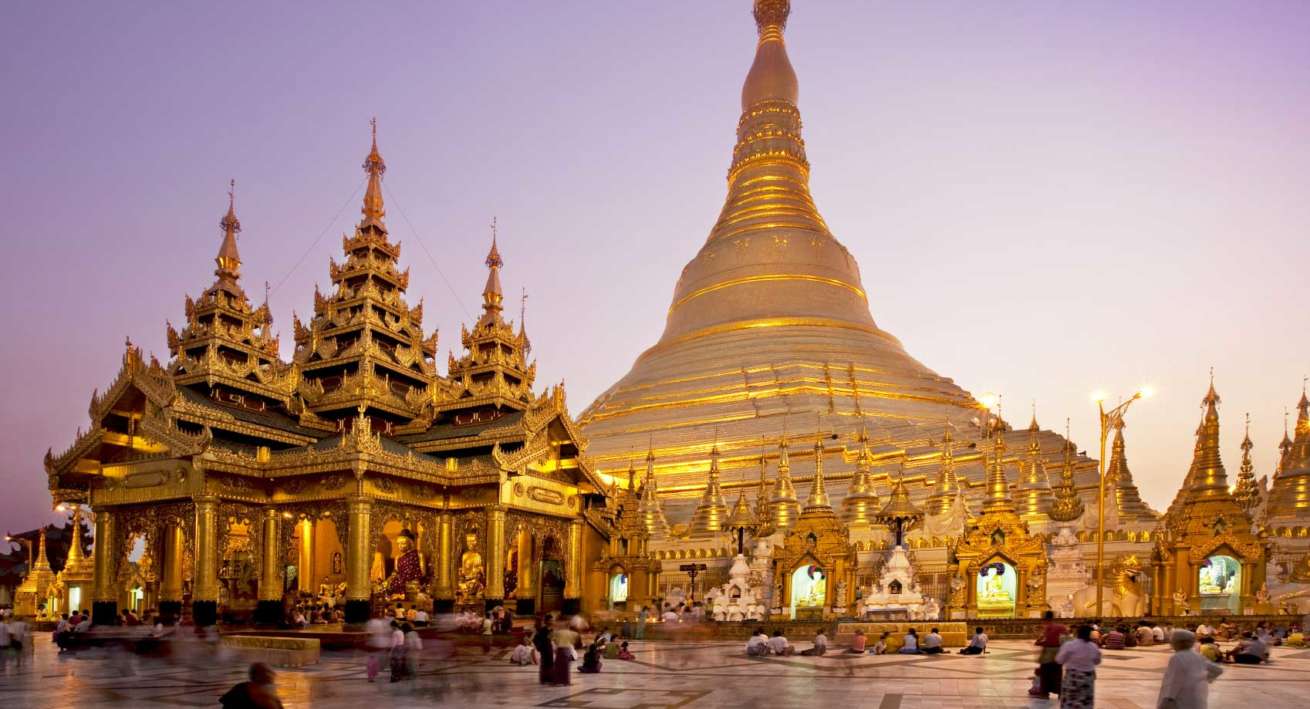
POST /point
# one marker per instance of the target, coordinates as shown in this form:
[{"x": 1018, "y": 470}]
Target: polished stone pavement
[{"x": 705, "y": 674}]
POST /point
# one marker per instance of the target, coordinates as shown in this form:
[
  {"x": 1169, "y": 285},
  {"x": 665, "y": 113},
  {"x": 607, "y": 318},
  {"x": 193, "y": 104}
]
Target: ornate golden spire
[
  {"x": 818, "y": 498},
  {"x": 375, "y": 166},
  {"x": 712, "y": 512},
  {"x": 860, "y": 505},
  {"x": 741, "y": 513},
  {"x": 228, "y": 260},
  {"x": 998, "y": 487},
  {"x": 771, "y": 77},
  {"x": 1068, "y": 506},
  {"x": 492, "y": 296},
  {"x": 762, "y": 496},
  {"x": 947, "y": 484},
  {"x": 784, "y": 505},
  {"x": 1289, "y": 496},
  {"x": 649, "y": 508},
  {"x": 1209, "y": 476},
  {"x": 1034, "y": 487},
  {"x": 1126, "y": 497},
  {"x": 42, "y": 562},
  {"x": 1284, "y": 449},
  {"x": 1247, "y": 492},
  {"x": 75, "y": 555}
]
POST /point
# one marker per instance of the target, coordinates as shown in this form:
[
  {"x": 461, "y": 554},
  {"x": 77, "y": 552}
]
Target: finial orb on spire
[
  {"x": 493, "y": 256},
  {"x": 771, "y": 13}
]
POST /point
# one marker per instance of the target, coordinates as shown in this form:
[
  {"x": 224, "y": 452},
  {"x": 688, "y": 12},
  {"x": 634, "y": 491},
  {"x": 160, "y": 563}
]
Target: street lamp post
[{"x": 1109, "y": 419}]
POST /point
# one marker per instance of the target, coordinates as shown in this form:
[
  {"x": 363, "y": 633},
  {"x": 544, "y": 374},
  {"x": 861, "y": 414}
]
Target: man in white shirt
[
  {"x": 778, "y": 644},
  {"x": 978, "y": 645},
  {"x": 758, "y": 645},
  {"x": 421, "y": 617},
  {"x": 932, "y": 643},
  {"x": 1157, "y": 634},
  {"x": 1204, "y": 631},
  {"x": 669, "y": 615},
  {"x": 820, "y": 644}
]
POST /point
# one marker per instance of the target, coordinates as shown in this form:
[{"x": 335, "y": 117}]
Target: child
[
  {"x": 624, "y": 653},
  {"x": 1187, "y": 678},
  {"x": 524, "y": 653},
  {"x": 880, "y": 647}
]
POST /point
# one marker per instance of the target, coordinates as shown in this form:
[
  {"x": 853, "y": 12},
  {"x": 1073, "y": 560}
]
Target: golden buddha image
[
  {"x": 472, "y": 577},
  {"x": 997, "y": 583}
]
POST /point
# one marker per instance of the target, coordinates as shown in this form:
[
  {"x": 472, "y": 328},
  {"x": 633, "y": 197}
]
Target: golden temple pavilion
[{"x": 354, "y": 467}]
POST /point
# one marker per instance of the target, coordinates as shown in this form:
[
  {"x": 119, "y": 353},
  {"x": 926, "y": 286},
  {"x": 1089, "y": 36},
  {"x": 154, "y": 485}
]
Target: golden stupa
[{"x": 770, "y": 331}]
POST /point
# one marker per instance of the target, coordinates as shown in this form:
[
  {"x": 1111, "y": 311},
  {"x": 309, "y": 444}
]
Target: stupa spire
[
  {"x": 648, "y": 507},
  {"x": 784, "y": 505},
  {"x": 228, "y": 259},
  {"x": 1289, "y": 497},
  {"x": 998, "y": 487},
  {"x": 1209, "y": 476},
  {"x": 818, "y": 498},
  {"x": 1067, "y": 506},
  {"x": 947, "y": 484},
  {"x": 1034, "y": 487},
  {"x": 711, "y": 514},
  {"x": 42, "y": 562},
  {"x": 861, "y": 502},
  {"x": 1126, "y": 496},
  {"x": 1247, "y": 492}
]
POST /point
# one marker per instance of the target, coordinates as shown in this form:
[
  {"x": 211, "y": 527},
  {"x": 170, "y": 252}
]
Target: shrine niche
[
  {"x": 1207, "y": 559},
  {"x": 998, "y": 565},
  {"x": 472, "y": 576},
  {"x": 817, "y": 562}
]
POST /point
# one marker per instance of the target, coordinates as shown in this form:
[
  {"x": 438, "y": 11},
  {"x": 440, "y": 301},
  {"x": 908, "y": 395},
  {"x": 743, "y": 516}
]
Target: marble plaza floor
[{"x": 707, "y": 674}]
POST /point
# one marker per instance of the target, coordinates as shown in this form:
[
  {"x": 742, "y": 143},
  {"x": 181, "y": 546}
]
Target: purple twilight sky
[{"x": 1045, "y": 198}]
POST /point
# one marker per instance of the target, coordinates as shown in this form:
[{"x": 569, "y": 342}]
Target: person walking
[
  {"x": 413, "y": 648},
  {"x": 379, "y": 642},
  {"x": 1079, "y": 658},
  {"x": 545, "y": 652},
  {"x": 1187, "y": 678},
  {"x": 1048, "y": 670},
  {"x": 641, "y": 623}
]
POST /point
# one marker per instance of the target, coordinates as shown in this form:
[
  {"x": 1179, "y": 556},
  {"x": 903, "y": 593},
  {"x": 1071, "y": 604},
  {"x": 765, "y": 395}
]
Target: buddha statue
[
  {"x": 405, "y": 579},
  {"x": 472, "y": 577},
  {"x": 992, "y": 592}
]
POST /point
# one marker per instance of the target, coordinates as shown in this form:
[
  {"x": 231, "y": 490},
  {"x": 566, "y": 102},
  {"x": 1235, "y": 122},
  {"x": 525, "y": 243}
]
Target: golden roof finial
[
  {"x": 1067, "y": 506},
  {"x": 375, "y": 166},
  {"x": 492, "y": 295},
  {"x": 711, "y": 514},
  {"x": 228, "y": 260},
  {"x": 1303, "y": 411},
  {"x": 1247, "y": 492},
  {"x": 998, "y": 487},
  {"x": 861, "y": 502}
]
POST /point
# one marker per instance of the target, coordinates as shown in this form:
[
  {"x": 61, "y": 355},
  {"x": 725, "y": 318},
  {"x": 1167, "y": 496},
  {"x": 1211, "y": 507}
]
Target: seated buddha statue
[
  {"x": 408, "y": 574},
  {"x": 992, "y": 594},
  {"x": 472, "y": 577}
]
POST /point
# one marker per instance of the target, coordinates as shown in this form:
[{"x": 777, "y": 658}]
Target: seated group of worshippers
[
  {"x": 761, "y": 644},
  {"x": 930, "y": 645}
]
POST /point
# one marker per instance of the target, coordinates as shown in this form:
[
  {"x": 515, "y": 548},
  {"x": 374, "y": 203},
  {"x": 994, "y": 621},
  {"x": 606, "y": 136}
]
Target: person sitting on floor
[
  {"x": 625, "y": 653},
  {"x": 858, "y": 643},
  {"x": 880, "y": 647},
  {"x": 1295, "y": 638},
  {"x": 1143, "y": 634},
  {"x": 591, "y": 658},
  {"x": 758, "y": 645},
  {"x": 910, "y": 645},
  {"x": 1250, "y": 651},
  {"x": 820, "y": 645},
  {"x": 932, "y": 643},
  {"x": 978, "y": 644},
  {"x": 524, "y": 653},
  {"x": 778, "y": 644},
  {"x": 1113, "y": 640},
  {"x": 1209, "y": 649}
]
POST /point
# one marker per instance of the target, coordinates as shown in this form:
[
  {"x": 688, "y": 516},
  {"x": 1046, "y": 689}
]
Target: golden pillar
[
  {"x": 270, "y": 576},
  {"x": 445, "y": 591},
  {"x": 358, "y": 556},
  {"x": 104, "y": 604},
  {"x": 496, "y": 554},
  {"x": 204, "y": 590},
  {"x": 573, "y": 566},
  {"x": 526, "y": 588},
  {"x": 305, "y": 580},
  {"x": 170, "y": 584}
]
